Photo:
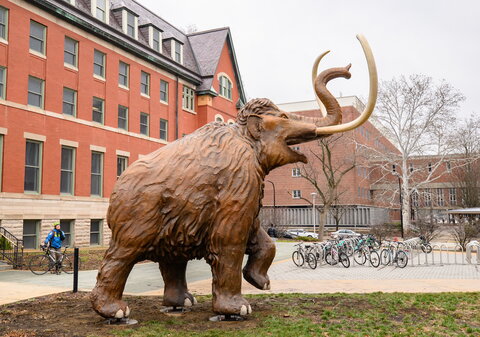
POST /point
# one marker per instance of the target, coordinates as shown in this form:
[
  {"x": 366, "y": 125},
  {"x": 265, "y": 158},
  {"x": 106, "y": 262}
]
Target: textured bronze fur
[{"x": 199, "y": 197}]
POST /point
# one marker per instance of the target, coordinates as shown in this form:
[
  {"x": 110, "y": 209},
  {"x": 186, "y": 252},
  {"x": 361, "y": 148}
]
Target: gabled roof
[{"x": 207, "y": 47}]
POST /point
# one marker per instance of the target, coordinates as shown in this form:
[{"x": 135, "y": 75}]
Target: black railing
[{"x": 11, "y": 248}]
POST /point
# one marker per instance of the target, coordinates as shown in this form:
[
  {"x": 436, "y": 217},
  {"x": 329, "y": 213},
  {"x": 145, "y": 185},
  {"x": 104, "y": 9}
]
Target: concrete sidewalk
[{"x": 145, "y": 279}]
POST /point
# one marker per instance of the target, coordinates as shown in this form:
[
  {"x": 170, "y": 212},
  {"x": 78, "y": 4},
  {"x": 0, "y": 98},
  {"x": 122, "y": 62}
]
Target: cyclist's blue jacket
[{"x": 55, "y": 237}]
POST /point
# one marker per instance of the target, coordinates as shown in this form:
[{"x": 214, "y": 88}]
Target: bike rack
[{"x": 470, "y": 246}]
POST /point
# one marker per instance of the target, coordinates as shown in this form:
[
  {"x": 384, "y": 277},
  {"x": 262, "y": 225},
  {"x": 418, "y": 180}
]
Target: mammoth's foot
[
  {"x": 178, "y": 298},
  {"x": 231, "y": 305},
  {"x": 255, "y": 278},
  {"x": 110, "y": 308}
]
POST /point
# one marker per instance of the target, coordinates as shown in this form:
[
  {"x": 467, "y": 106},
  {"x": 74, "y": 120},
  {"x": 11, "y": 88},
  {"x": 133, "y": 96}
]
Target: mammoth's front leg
[
  {"x": 175, "y": 291},
  {"x": 225, "y": 258},
  {"x": 261, "y": 252}
]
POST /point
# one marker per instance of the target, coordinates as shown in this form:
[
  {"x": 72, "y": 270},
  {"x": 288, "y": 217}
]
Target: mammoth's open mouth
[{"x": 298, "y": 155}]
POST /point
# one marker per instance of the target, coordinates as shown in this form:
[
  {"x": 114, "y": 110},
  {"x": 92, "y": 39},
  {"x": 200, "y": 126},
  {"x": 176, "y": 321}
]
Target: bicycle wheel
[
  {"x": 374, "y": 259},
  {"x": 40, "y": 264},
  {"x": 359, "y": 257},
  {"x": 330, "y": 260},
  {"x": 426, "y": 248},
  {"x": 298, "y": 259},
  {"x": 385, "y": 256},
  {"x": 312, "y": 261},
  {"x": 402, "y": 259},
  {"x": 345, "y": 261},
  {"x": 349, "y": 250},
  {"x": 67, "y": 264}
]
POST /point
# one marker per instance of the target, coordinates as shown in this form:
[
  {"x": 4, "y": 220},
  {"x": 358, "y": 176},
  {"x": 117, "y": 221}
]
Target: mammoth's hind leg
[
  {"x": 175, "y": 291},
  {"x": 106, "y": 297},
  {"x": 261, "y": 252}
]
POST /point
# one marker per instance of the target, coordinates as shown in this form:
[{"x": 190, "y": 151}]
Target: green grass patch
[{"x": 296, "y": 315}]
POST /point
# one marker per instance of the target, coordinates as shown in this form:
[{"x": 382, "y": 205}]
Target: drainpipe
[{"x": 176, "y": 107}]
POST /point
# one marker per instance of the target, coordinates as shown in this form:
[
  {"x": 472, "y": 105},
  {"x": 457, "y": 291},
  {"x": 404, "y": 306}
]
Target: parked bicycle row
[{"x": 360, "y": 250}]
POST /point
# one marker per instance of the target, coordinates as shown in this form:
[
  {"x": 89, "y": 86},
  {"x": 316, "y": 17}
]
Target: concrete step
[{"x": 5, "y": 266}]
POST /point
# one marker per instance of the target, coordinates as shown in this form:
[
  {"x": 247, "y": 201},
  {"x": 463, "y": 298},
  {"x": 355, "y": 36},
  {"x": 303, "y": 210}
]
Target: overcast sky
[{"x": 276, "y": 41}]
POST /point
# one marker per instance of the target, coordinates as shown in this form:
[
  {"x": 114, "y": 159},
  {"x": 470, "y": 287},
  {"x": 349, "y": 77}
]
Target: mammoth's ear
[{"x": 255, "y": 126}]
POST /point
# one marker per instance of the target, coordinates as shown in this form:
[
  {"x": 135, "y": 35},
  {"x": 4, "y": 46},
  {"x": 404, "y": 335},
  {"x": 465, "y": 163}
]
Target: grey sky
[{"x": 276, "y": 42}]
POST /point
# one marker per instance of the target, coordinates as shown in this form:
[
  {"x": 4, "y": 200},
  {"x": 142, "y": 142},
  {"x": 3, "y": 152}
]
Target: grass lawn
[{"x": 377, "y": 314}]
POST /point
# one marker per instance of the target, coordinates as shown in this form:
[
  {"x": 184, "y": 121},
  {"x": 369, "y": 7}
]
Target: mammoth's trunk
[{"x": 334, "y": 112}]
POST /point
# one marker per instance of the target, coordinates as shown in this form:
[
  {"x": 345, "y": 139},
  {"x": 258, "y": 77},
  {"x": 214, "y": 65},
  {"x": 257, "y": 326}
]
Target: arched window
[
  {"x": 230, "y": 121},
  {"x": 219, "y": 118},
  {"x": 225, "y": 87}
]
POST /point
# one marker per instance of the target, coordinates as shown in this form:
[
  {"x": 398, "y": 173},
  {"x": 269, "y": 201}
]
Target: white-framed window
[
  {"x": 449, "y": 166},
  {"x": 31, "y": 229},
  {"x": 70, "y": 52},
  {"x": 145, "y": 83},
  {"x": 452, "y": 192},
  {"x": 296, "y": 194},
  {"x": 33, "y": 166},
  {"x": 69, "y": 102},
  {"x": 123, "y": 74},
  {"x": 3, "y": 23},
  {"x": 3, "y": 82},
  {"x": 38, "y": 34},
  {"x": 163, "y": 91},
  {"x": 98, "y": 105},
  {"x": 415, "y": 199},
  {"x": 156, "y": 39},
  {"x": 230, "y": 122},
  {"x": 68, "y": 226},
  {"x": 130, "y": 24},
  {"x": 177, "y": 51},
  {"x": 67, "y": 170},
  {"x": 99, "y": 63},
  {"x": 410, "y": 166},
  {"x": 225, "y": 87},
  {"x": 100, "y": 10},
  {"x": 96, "y": 179},
  {"x": 163, "y": 129},
  {"x": 428, "y": 197},
  {"x": 296, "y": 172},
  {"x": 144, "y": 123},
  {"x": 188, "y": 98},
  {"x": 440, "y": 198},
  {"x": 123, "y": 117},
  {"x": 122, "y": 163},
  {"x": 35, "y": 91},
  {"x": 96, "y": 226},
  {"x": 219, "y": 118}
]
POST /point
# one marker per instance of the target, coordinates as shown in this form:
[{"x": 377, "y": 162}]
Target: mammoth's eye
[{"x": 284, "y": 116}]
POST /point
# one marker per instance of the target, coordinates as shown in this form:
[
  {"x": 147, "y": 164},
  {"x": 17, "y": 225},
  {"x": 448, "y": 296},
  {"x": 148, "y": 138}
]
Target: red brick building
[{"x": 86, "y": 88}]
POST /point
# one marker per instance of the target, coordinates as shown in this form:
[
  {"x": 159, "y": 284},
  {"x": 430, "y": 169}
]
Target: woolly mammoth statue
[{"x": 199, "y": 197}]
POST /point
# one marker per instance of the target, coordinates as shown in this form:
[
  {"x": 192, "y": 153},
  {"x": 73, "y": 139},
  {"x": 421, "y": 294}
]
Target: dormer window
[
  {"x": 177, "y": 51},
  {"x": 130, "y": 24},
  {"x": 100, "y": 9},
  {"x": 156, "y": 41}
]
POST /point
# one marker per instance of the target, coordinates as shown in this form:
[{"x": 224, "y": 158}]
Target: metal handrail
[{"x": 14, "y": 254}]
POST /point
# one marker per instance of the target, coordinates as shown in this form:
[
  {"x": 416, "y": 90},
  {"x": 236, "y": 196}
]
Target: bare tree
[
  {"x": 466, "y": 137},
  {"x": 465, "y": 230},
  {"x": 325, "y": 174},
  {"x": 414, "y": 114}
]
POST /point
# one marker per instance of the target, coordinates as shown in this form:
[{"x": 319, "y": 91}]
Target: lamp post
[
  {"x": 313, "y": 211},
  {"x": 401, "y": 205},
  {"x": 274, "y": 205}
]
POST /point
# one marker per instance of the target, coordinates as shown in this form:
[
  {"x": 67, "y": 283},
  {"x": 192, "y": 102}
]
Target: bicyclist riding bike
[{"x": 54, "y": 241}]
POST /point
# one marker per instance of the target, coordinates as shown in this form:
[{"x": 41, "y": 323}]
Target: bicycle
[
  {"x": 302, "y": 255},
  {"x": 41, "y": 264},
  {"x": 393, "y": 254},
  {"x": 425, "y": 245},
  {"x": 364, "y": 251},
  {"x": 335, "y": 255}
]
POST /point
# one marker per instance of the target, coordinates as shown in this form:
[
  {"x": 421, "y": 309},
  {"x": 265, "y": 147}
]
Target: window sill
[
  {"x": 70, "y": 67},
  {"x": 36, "y": 108},
  {"x": 36, "y": 53},
  {"x": 189, "y": 111},
  {"x": 32, "y": 192},
  {"x": 3, "y": 41},
  {"x": 163, "y": 102},
  {"x": 225, "y": 98},
  {"x": 144, "y": 95},
  {"x": 123, "y": 87},
  {"x": 100, "y": 78}
]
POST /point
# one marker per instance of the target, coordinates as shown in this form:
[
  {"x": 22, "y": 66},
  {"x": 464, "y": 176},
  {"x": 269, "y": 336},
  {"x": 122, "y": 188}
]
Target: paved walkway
[{"x": 145, "y": 279}]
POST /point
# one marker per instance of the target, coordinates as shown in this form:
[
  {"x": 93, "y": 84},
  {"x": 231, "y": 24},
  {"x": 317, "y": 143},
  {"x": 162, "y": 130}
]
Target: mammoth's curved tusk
[
  {"x": 314, "y": 76},
  {"x": 372, "y": 95}
]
